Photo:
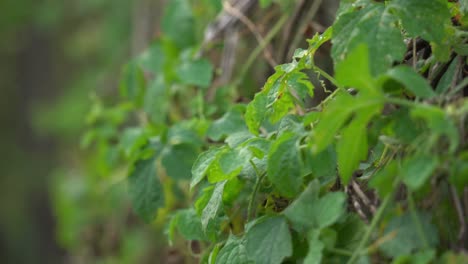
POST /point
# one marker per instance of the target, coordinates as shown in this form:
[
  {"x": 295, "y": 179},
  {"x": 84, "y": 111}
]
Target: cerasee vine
[{"x": 376, "y": 173}]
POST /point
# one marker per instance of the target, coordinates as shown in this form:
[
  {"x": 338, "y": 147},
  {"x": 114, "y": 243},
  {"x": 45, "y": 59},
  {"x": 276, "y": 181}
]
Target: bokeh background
[
  {"x": 59, "y": 62},
  {"x": 54, "y": 55}
]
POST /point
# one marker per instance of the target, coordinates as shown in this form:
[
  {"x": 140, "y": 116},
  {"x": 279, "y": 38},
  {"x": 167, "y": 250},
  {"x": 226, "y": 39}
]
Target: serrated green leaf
[
  {"x": 145, "y": 189},
  {"x": 335, "y": 114},
  {"x": 412, "y": 81},
  {"x": 189, "y": 225},
  {"x": 178, "y": 160},
  {"x": 421, "y": 257},
  {"x": 233, "y": 252},
  {"x": 230, "y": 123},
  {"x": 284, "y": 165},
  {"x": 178, "y": 23},
  {"x": 197, "y": 72},
  {"x": 214, "y": 204},
  {"x": 407, "y": 237},
  {"x": 428, "y": 19},
  {"x": 269, "y": 241},
  {"x": 237, "y": 138},
  {"x": 352, "y": 147},
  {"x": 256, "y": 112},
  {"x": 228, "y": 164},
  {"x": 416, "y": 170},
  {"x": 310, "y": 211},
  {"x": 202, "y": 164},
  {"x": 375, "y": 26},
  {"x": 354, "y": 71},
  {"x": 323, "y": 164}
]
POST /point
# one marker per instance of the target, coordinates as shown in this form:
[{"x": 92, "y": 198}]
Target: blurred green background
[{"x": 53, "y": 56}]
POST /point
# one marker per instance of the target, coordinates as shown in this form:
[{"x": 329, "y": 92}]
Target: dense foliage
[{"x": 377, "y": 172}]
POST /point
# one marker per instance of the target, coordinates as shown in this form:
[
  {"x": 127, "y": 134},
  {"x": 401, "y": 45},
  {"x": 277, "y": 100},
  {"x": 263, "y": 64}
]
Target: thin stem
[
  {"x": 401, "y": 102},
  {"x": 271, "y": 34},
  {"x": 371, "y": 228},
  {"x": 340, "y": 251},
  {"x": 250, "y": 209},
  {"x": 328, "y": 77}
]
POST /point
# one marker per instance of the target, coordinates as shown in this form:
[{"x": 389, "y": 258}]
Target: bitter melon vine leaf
[
  {"x": 383, "y": 180},
  {"x": 153, "y": 58},
  {"x": 412, "y": 81},
  {"x": 269, "y": 241},
  {"x": 416, "y": 170},
  {"x": 354, "y": 72},
  {"x": 202, "y": 164},
  {"x": 335, "y": 115},
  {"x": 446, "y": 81},
  {"x": 145, "y": 189},
  {"x": 228, "y": 164},
  {"x": 314, "y": 254},
  {"x": 189, "y": 225},
  {"x": 375, "y": 26},
  {"x": 178, "y": 23},
  {"x": 230, "y": 123},
  {"x": 214, "y": 204},
  {"x": 233, "y": 252},
  {"x": 352, "y": 147},
  {"x": 309, "y": 211},
  {"x": 412, "y": 231},
  {"x": 428, "y": 19},
  {"x": 284, "y": 166},
  {"x": 196, "y": 72},
  {"x": 178, "y": 159},
  {"x": 255, "y": 113}
]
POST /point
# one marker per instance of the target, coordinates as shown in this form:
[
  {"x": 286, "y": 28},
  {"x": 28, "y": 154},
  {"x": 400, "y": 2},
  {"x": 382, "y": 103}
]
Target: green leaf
[
  {"x": 178, "y": 23},
  {"x": 352, "y": 147},
  {"x": 156, "y": 101},
  {"x": 228, "y": 164},
  {"x": 233, "y": 252},
  {"x": 189, "y": 225},
  {"x": 384, "y": 180},
  {"x": 314, "y": 255},
  {"x": 178, "y": 160},
  {"x": 230, "y": 123},
  {"x": 416, "y": 170},
  {"x": 377, "y": 27},
  {"x": 447, "y": 79},
  {"x": 152, "y": 59},
  {"x": 145, "y": 189},
  {"x": 438, "y": 122},
  {"x": 255, "y": 113},
  {"x": 335, "y": 114},
  {"x": 269, "y": 241},
  {"x": 284, "y": 165},
  {"x": 197, "y": 72},
  {"x": 421, "y": 257},
  {"x": 310, "y": 211},
  {"x": 323, "y": 164},
  {"x": 132, "y": 83},
  {"x": 214, "y": 204},
  {"x": 354, "y": 71},
  {"x": 407, "y": 234},
  {"x": 428, "y": 19},
  {"x": 202, "y": 164},
  {"x": 412, "y": 81}
]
